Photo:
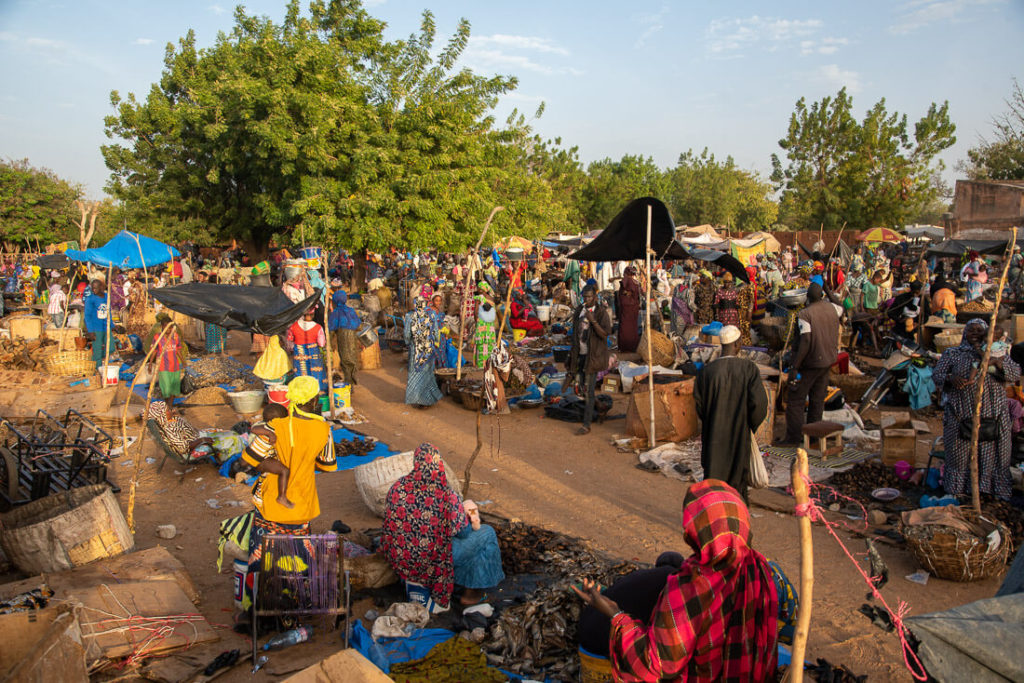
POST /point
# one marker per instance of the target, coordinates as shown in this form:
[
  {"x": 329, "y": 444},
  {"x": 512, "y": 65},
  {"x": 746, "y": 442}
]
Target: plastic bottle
[{"x": 289, "y": 638}]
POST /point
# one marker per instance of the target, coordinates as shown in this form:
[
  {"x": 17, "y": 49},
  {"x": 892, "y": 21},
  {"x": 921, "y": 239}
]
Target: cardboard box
[
  {"x": 899, "y": 437},
  {"x": 42, "y": 645},
  {"x": 347, "y": 666}
]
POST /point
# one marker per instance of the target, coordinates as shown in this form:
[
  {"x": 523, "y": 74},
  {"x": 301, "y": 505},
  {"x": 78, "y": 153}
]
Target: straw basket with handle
[{"x": 374, "y": 479}]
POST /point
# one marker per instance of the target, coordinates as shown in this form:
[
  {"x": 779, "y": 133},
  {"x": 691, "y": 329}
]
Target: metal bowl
[{"x": 793, "y": 297}]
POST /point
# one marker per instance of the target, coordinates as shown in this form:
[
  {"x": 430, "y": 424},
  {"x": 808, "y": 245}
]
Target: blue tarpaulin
[{"x": 127, "y": 250}]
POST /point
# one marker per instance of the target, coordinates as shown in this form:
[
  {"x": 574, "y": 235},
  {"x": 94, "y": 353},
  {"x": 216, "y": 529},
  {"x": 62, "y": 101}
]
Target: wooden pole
[
  {"x": 651, "y": 439},
  {"x": 106, "y": 336},
  {"x": 803, "y": 617},
  {"x": 472, "y": 458},
  {"x": 983, "y": 374},
  {"x": 330, "y": 345},
  {"x": 466, "y": 292},
  {"x": 508, "y": 301},
  {"x": 142, "y": 431}
]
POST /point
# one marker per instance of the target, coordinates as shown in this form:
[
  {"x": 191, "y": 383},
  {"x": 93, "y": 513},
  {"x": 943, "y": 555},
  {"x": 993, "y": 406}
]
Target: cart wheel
[{"x": 8, "y": 474}]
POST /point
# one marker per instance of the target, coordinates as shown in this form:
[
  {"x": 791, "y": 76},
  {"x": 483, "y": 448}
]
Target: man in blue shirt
[{"x": 96, "y": 320}]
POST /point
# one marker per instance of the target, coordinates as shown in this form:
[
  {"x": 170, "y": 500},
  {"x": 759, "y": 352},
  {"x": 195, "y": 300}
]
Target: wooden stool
[{"x": 829, "y": 436}]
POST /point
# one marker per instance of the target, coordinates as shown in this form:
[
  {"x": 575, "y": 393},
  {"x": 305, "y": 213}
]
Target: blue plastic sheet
[
  {"x": 348, "y": 462},
  {"x": 127, "y": 250},
  {"x": 388, "y": 651}
]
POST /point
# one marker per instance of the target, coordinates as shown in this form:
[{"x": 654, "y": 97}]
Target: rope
[{"x": 810, "y": 509}]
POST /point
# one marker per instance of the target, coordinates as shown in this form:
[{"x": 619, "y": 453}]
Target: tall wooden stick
[
  {"x": 983, "y": 374},
  {"x": 508, "y": 302},
  {"x": 472, "y": 458},
  {"x": 106, "y": 335},
  {"x": 330, "y": 345},
  {"x": 466, "y": 292},
  {"x": 803, "y": 617},
  {"x": 650, "y": 333},
  {"x": 142, "y": 431}
]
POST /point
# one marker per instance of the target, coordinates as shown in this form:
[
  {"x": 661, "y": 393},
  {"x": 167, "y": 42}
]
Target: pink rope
[{"x": 810, "y": 509}]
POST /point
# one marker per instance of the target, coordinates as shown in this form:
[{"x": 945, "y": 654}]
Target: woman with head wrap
[
  {"x": 727, "y": 301},
  {"x": 431, "y": 541},
  {"x": 943, "y": 299},
  {"x": 704, "y": 298},
  {"x": 342, "y": 324},
  {"x": 627, "y": 303},
  {"x": 486, "y": 339},
  {"x": 956, "y": 375},
  {"x": 716, "y": 617},
  {"x": 523, "y": 316},
  {"x": 302, "y": 442},
  {"x": 423, "y": 338}
]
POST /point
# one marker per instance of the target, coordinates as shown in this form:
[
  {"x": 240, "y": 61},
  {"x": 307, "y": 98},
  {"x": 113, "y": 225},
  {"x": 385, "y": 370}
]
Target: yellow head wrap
[{"x": 301, "y": 390}]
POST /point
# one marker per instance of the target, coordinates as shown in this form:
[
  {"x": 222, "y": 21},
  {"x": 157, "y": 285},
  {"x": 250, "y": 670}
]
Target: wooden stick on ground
[
  {"x": 467, "y": 293},
  {"x": 476, "y": 451},
  {"x": 983, "y": 374},
  {"x": 142, "y": 431},
  {"x": 803, "y": 618}
]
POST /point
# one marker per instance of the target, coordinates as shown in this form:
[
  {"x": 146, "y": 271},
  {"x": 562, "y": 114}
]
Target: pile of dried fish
[
  {"x": 213, "y": 370},
  {"x": 537, "y": 638},
  {"x": 26, "y": 355},
  {"x": 354, "y": 446}
]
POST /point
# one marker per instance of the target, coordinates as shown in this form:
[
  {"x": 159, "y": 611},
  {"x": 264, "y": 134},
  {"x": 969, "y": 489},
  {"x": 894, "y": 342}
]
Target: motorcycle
[{"x": 894, "y": 370}]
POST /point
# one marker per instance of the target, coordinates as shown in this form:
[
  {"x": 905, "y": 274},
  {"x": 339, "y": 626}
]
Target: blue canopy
[{"x": 127, "y": 250}]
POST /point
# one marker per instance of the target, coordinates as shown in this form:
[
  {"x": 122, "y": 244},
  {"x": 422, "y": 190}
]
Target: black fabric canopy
[
  {"x": 263, "y": 310},
  {"x": 722, "y": 260},
  {"x": 961, "y": 247},
  {"x": 53, "y": 262},
  {"x": 625, "y": 237}
]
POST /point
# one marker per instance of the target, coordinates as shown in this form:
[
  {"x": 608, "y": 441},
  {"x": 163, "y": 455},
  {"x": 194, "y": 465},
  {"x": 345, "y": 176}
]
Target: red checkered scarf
[
  {"x": 421, "y": 515},
  {"x": 716, "y": 618}
]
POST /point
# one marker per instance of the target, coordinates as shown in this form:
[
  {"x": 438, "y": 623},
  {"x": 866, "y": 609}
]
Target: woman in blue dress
[{"x": 422, "y": 336}]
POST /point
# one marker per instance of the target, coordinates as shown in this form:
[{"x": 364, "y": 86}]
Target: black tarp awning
[
  {"x": 961, "y": 247},
  {"x": 263, "y": 310},
  {"x": 625, "y": 239},
  {"x": 53, "y": 262}
]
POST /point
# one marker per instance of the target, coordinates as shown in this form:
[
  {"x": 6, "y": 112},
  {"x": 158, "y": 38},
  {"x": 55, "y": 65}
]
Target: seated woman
[
  {"x": 716, "y": 617},
  {"x": 429, "y": 540},
  {"x": 191, "y": 444},
  {"x": 523, "y": 315}
]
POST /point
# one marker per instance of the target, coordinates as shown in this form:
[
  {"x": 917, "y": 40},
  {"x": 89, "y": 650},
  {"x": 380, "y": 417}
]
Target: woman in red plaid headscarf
[{"x": 716, "y": 618}]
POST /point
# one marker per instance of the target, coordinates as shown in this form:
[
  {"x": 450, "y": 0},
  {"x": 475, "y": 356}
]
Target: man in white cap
[{"x": 731, "y": 403}]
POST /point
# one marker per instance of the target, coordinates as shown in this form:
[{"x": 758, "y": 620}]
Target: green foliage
[
  {"x": 613, "y": 184},
  {"x": 35, "y": 204},
  {"x": 1001, "y": 158},
  {"x": 704, "y": 190},
  {"x": 859, "y": 173},
  {"x": 320, "y": 124}
]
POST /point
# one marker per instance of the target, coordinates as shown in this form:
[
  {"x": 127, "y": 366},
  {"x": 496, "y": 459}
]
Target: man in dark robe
[
  {"x": 627, "y": 302},
  {"x": 731, "y": 403}
]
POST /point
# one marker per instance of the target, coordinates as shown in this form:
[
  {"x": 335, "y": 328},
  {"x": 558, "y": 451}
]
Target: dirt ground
[{"x": 544, "y": 474}]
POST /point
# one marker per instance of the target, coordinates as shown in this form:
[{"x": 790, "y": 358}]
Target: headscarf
[
  {"x": 301, "y": 391},
  {"x": 426, "y": 291},
  {"x": 716, "y": 618},
  {"x": 423, "y": 327},
  {"x": 421, "y": 515},
  {"x": 343, "y": 316}
]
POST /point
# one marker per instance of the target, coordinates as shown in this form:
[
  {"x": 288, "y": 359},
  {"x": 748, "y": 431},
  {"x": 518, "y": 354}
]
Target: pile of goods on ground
[
  {"x": 976, "y": 306},
  {"x": 537, "y": 638},
  {"x": 25, "y": 355},
  {"x": 214, "y": 370},
  {"x": 346, "y": 447}
]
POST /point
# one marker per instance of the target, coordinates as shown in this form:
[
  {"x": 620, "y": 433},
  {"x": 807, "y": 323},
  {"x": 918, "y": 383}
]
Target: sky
[{"x": 647, "y": 77}]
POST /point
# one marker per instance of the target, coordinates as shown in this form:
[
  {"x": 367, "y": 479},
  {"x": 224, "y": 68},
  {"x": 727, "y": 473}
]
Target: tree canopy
[
  {"x": 35, "y": 204},
  {"x": 704, "y": 190},
  {"x": 864, "y": 173},
  {"x": 1002, "y": 156},
  {"x": 320, "y": 123}
]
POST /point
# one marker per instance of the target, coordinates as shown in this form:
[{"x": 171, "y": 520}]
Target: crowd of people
[{"x": 717, "y": 614}]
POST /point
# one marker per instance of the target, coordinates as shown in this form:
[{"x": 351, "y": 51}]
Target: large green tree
[
  {"x": 319, "y": 123},
  {"x": 702, "y": 190},
  {"x": 613, "y": 184},
  {"x": 867, "y": 173},
  {"x": 1002, "y": 156},
  {"x": 35, "y": 205}
]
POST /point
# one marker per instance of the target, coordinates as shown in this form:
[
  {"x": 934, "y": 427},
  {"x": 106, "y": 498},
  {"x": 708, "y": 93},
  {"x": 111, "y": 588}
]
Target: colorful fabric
[
  {"x": 308, "y": 339},
  {"x": 789, "y": 602},
  {"x": 993, "y": 456},
  {"x": 215, "y": 338},
  {"x": 176, "y": 432},
  {"x": 303, "y": 446},
  {"x": 261, "y": 526},
  {"x": 422, "y": 333},
  {"x": 421, "y": 515},
  {"x": 454, "y": 661},
  {"x": 727, "y": 306},
  {"x": 498, "y": 363},
  {"x": 704, "y": 301},
  {"x": 170, "y": 352},
  {"x": 170, "y": 383},
  {"x": 716, "y": 618}
]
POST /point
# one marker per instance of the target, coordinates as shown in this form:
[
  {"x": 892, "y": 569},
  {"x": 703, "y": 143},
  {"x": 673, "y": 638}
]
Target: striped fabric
[{"x": 716, "y": 618}]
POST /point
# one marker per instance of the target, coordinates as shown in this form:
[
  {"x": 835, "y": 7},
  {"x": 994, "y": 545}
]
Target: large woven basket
[
  {"x": 374, "y": 479},
  {"x": 69, "y": 363},
  {"x": 957, "y": 555},
  {"x": 662, "y": 348},
  {"x": 853, "y": 386}
]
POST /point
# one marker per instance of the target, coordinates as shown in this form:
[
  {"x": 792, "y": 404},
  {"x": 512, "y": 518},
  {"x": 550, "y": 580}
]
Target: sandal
[{"x": 582, "y": 430}]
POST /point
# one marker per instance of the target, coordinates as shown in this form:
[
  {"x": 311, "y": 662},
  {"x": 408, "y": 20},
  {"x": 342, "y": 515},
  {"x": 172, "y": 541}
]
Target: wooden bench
[{"x": 828, "y": 438}]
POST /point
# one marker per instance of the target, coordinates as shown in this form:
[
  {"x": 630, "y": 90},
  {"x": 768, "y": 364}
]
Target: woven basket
[
  {"x": 957, "y": 555},
  {"x": 374, "y": 479},
  {"x": 853, "y": 386},
  {"x": 69, "y": 363},
  {"x": 662, "y": 348}
]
